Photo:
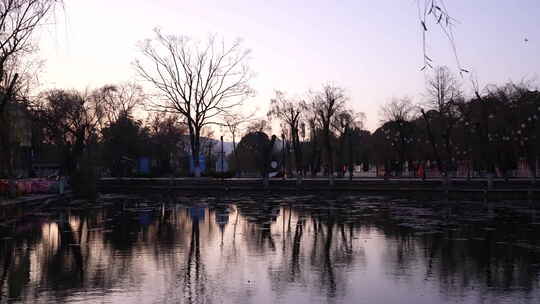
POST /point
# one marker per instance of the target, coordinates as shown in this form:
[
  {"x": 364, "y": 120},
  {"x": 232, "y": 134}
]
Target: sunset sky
[{"x": 371, "y": 48}]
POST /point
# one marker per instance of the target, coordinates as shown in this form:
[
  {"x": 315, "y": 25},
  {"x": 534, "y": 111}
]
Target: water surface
[{"x": 273, "y": 249}]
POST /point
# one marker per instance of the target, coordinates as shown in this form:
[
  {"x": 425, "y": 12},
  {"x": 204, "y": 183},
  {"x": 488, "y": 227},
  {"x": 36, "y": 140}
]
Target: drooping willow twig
[{"x": 435, "y": 13}]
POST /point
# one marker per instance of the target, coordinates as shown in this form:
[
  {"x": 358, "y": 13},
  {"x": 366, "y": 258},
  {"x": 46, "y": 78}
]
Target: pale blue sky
[{"x": 371, "y": 48}]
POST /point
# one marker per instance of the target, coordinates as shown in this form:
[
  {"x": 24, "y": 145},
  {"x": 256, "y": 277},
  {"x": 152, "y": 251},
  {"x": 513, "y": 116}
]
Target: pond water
[{"x": 289, "y": 249}]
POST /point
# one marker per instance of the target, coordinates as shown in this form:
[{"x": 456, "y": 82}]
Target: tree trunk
[
  {"x": 298, "y": 157},
  {"x": 341, "y": 156},
  {"x": 431, "y": 137},
  {"x": 329, "y": 158},
  {"x": 195, "y": 150}
]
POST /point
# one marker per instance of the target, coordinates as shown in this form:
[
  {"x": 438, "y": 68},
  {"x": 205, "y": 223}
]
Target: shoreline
[{"x": 518, "y": 189}]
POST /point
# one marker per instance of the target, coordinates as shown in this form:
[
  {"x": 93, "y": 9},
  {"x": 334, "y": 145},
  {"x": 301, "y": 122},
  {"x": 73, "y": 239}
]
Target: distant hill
[{"x": 228, "y": 146}]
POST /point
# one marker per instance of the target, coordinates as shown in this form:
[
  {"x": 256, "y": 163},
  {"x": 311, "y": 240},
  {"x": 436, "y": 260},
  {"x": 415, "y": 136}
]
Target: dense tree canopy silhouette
[
  {"x": 199, "y": 81},
  {"x": 124, "y": 140},
  {"x": 70, "y": 120},
  {"x": 255, "y": 150}
]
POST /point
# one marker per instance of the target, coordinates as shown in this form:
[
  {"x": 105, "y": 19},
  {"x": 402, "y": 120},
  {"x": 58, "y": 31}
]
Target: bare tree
[
  {"x": 443, "y": 93},
  {"x": 442, "y": 90},
  {"x": 118, "y": 100},
  {"x": 27, "y": 69},
  {"x": 19, "y": 19},
  {"x": 290, "y": 111},
  {"x": 326, "y": 104},
  {"x": 401, "y": 109},
  {"x": 259, "y": 125},
  {"x": 233, "y": 123},
  {"x": 197, "y": 81},
  {"x": 344, "y": 123}
]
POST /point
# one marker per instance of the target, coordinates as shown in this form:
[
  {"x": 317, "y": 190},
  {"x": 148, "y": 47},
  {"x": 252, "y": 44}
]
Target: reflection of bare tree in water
[
  {"x": 194, "y": 275},
  {"x": 234, "y": 229},
  {"x": 464, "y": 259},
  {"x": 74, "y": 242},
  {"x": 333, "y": 245},
  {"x": 265, "y": 234},
  {"x": 347, "y": 243},
  {"x": 15, "y": 259},
  {"x": 260, "y": 217},
  {"x": 62, "y": 256},
  {"x": 431, "y": 249},
  {"x": 265, "y": 219},
  {"x": 295, "y": 256},
  {"x": 56, "y": 271},
  {"x": 19, "y": 273},
  {"x": 315, "y": 233},
  {"x": 319, "y": 242},
  {"x": 328, "y": 274}
]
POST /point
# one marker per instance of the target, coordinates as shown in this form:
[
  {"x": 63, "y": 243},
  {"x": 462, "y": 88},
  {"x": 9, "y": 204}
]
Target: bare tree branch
[{"x": 198, "y": 82}]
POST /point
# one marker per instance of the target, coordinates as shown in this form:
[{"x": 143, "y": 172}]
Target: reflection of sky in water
[{"x": 242, "y": 253}]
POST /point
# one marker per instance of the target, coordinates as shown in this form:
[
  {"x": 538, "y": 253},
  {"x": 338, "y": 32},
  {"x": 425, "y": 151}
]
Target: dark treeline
[
  {"x": 487, "y": 134},
  {"x": 492, "y": 133},
  {"x": 85, "y": 134},
  {"x": 96, "y": 132}
]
